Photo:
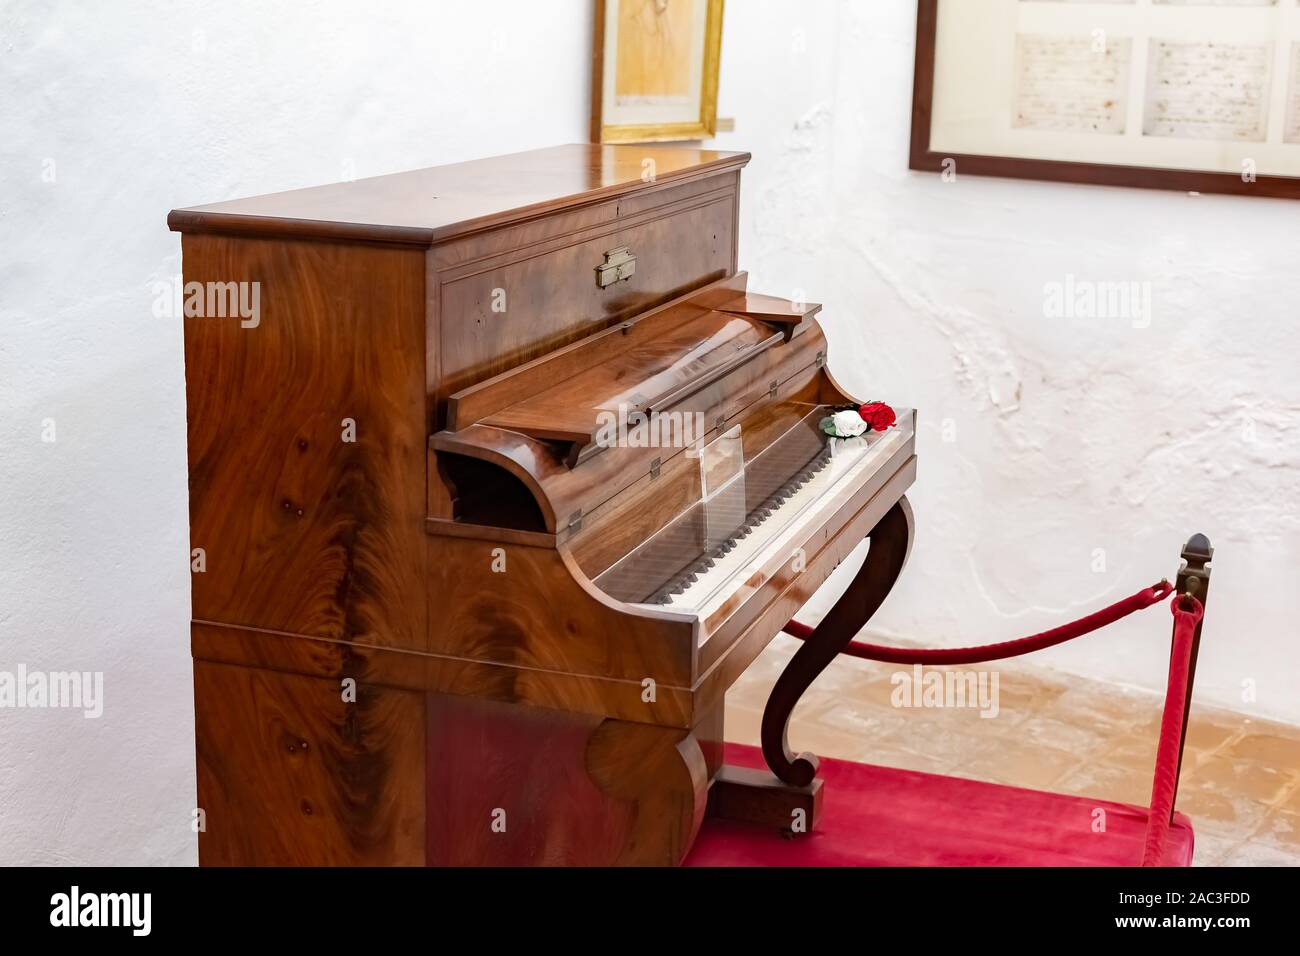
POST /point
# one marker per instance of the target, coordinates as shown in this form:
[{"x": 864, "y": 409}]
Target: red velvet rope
[
  {"x": 1165, "y": 783},
  {"x": 996, "y": 652}
]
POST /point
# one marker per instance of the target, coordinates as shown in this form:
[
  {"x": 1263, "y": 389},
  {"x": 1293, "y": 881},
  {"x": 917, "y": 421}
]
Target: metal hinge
[
  {"x": 575, "y": 520},
  {"x": 619, "y": 264},
  {"x": 771, "y": 388},
  {"x": 655, "y": 466},
  {"x": 821, "y": 358}
]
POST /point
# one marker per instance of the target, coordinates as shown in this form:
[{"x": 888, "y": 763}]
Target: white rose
[{"x": 849, "y": 424}]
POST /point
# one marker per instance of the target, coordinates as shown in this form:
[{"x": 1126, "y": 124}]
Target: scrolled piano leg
[{"x": 891, "y": 540}]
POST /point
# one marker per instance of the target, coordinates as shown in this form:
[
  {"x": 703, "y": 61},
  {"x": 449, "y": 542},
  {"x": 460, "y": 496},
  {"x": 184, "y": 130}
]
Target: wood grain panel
[
  {"x": 664, "y": 775},
  {"x": 291, "y": 775},
  {"x": 552, "y": 299},
  {"x": 410, "y": 670},
  {"x": 304, "y": 531},
  {"x": 543, "y": 787},
  {"x": 539, "y": 614},
  {"x": 523, "y": 792}
]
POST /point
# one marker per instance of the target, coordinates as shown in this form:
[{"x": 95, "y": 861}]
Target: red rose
[{"x": 878, "y": 415}]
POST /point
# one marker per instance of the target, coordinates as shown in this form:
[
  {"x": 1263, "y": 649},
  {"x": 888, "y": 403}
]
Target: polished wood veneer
[
  {"x": 433, "y": 205},
  {"x": 395, "y": 479}
]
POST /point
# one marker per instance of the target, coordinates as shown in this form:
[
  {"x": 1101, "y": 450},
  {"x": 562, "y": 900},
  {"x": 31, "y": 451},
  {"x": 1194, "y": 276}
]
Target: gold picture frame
[{"x": 655, "y": 70}]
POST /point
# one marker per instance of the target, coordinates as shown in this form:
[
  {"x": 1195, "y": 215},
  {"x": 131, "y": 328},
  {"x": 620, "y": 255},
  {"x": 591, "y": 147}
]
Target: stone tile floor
[{"x": 1053, "y": 731}]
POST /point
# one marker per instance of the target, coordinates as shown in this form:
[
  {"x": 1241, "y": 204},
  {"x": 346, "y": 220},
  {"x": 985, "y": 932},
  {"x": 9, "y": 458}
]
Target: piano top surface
[{"x": 427, "y": 205}]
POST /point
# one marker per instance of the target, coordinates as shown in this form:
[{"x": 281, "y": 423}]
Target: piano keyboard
[
  {"x": 722, "y": 559},
  {"x": 793, "y": 484},
  {"x": 771, "y": 538}
]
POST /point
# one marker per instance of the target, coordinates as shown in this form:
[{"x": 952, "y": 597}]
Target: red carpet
[{"x": 875, "y": 816}]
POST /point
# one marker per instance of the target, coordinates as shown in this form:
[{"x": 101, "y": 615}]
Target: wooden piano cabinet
[{"x": 401, "y": 656}]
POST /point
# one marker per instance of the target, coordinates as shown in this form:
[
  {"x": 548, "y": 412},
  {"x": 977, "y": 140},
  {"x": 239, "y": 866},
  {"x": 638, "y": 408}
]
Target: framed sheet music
[{"x": 1200, "y": 95}]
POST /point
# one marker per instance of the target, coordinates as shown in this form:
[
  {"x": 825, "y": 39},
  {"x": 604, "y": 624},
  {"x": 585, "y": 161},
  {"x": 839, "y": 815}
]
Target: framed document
[
  {"x": 655, "y": 70},
  {"x": 1200, "y": 95}
]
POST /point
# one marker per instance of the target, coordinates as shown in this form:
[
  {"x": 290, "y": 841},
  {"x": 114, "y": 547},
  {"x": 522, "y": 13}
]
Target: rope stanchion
[
  {"x": 1187, "y": 611},
  {"x": 996, "y": 652},
  {"x": 1165, "y": 782}
]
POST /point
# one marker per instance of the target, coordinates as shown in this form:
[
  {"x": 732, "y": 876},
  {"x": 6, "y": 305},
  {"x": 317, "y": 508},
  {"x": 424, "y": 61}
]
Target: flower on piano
[
  {"x": 877, "y": 415},
  {"x": 844, "y": 424},
  {"x": 852, "y": 422}
]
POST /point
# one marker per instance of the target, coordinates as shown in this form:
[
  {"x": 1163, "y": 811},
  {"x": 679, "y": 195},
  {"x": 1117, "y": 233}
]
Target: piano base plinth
[{"x": 759, "y": 797}]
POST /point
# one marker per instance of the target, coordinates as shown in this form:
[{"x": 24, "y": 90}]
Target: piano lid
[
  {"x": 653, "y": 376},
  {"x": 424, "y": 206}
]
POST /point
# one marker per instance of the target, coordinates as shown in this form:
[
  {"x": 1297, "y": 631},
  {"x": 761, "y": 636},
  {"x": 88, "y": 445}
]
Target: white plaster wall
[{"x": 1070, "y": 436}]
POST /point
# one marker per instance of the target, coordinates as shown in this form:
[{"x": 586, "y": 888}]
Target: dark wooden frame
[{"x": 923, "y": 158}]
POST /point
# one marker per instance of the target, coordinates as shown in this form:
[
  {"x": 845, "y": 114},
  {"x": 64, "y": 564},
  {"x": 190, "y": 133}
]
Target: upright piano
[{"x": 507, "y": 476}]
